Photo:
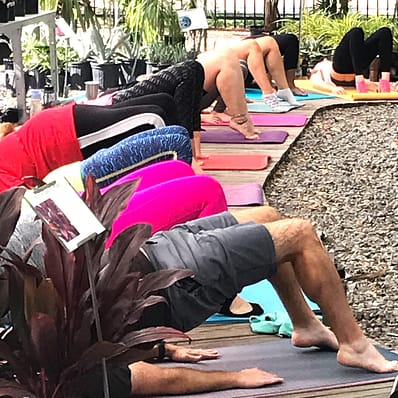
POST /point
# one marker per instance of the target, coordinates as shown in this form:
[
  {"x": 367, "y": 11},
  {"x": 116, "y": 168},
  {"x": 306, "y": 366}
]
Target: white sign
[
  {"x": 192, "y": 19},
  {"x": 68, "y": 217}
]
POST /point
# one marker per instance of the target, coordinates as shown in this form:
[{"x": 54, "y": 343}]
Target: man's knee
[
  {"x": 260, "y": 215},
  {"x": 305, "y": 230}
]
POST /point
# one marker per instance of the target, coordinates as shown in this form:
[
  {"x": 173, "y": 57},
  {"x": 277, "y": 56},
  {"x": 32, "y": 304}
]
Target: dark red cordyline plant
[{"x": 52, "y": 340}]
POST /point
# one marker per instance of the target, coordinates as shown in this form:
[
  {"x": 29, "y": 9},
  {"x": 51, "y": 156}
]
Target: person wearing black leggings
[
  {"x": 183, "y": 81},
  {"x": 351, "y": 62},
  {"x": 91, "y": 119}
]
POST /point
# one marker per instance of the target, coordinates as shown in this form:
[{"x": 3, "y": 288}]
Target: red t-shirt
[{"x": 45, "y": 142}]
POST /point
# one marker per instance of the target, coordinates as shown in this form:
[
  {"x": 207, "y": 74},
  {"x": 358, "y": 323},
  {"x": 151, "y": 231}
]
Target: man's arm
[{"x": 148, "y": 379}]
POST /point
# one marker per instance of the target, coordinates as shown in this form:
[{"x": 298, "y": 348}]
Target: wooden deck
[{"x": 227, "y": 334}]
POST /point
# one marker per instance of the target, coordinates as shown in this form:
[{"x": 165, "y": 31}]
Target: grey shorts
[{"x": 224, "y": 256}]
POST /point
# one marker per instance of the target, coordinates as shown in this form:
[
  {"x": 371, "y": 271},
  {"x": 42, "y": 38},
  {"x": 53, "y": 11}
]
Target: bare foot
[
  {"x": 214, "y": 117},
  {"x": 196, "y": 166},
  {"x": 299, "y": 91},
  {"x": 315, "y": 334},
  {"x": 240, "y": 306},
  {"x": 363, "y": 354},
  {"x": 244, "y": 125}
]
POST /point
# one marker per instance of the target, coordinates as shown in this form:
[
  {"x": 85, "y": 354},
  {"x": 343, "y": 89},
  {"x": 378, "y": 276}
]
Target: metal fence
[{"x": 244, "y": 13}]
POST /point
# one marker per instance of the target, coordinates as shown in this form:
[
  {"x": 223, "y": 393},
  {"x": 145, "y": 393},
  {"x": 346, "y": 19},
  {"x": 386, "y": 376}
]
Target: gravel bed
[{"x": 342, "y": 173}]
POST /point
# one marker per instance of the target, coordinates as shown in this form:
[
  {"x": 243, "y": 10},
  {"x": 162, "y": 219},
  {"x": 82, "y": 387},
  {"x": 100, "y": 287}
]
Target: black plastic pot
[
  {"x": 37, "y": 78},
  {"x": 9, "y": 76},
  {"x": 107, "y": 74},
  {"x": 11, "y": 10},
  {"x": 79, "y": 72},
  {"x": 20, "y": 8},
  {"x": 127, "y": 71},
  {"x": 31, "y": 6},
  {"x": 4, "y": 11}
]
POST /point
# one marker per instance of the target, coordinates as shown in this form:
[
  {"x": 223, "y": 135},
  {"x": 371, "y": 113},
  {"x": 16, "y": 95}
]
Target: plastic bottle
[{"x": 35, "y": 102}]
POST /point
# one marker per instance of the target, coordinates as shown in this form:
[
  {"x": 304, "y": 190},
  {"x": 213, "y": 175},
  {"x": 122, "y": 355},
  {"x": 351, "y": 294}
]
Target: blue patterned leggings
[{"x": 109, "y": 164}]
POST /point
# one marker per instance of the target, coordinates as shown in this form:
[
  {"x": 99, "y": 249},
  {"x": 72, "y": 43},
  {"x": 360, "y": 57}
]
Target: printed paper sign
[{"x": 62, "y": 209}]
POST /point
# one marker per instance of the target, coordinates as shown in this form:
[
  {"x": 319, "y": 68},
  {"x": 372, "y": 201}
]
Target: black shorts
[{"x": 224, "y": 256}]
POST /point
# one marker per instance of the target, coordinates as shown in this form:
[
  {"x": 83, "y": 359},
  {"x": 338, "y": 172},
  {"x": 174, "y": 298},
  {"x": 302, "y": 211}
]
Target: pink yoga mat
[
  {"x": 235, "y": 161},
  {"x": 233, "y": 137},
  {"x": 270, "y": 120},
  {"x": 248, "y": 194}
]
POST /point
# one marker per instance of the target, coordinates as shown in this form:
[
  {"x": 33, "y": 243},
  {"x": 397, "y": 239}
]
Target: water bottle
[{"x": 35, "y": 102}]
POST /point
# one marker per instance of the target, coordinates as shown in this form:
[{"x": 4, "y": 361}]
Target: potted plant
[
  {"x": 51, "y": 339},
  {"x": 36, "y": 59},
  {"x": 107, "y": 48},
  {"x": 312, "y": 50},
  {"x": 152, "y": 21}
]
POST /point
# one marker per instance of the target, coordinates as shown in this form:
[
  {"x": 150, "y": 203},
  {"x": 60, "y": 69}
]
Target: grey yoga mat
[{"x": 302, "y": 369}]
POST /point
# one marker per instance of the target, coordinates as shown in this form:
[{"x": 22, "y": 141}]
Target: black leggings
[
  {"x": 92, "y": 118},
  {"x": 184, "y": 82},
  {"x": 289, "y": 47},
  {"x": 354, "y": 54}
]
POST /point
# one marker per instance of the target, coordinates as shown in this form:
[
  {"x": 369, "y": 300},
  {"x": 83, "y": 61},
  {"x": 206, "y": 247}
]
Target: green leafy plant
[
  {"x": 78, "y": 14},
  {"x": 109, "y": 44},
  {"x": 331, "y": 29},
  {"x": 313, "y": 49},
  {"x": 35, "y": 53},
  {"x": 52, "y": 341},
  {"x": 152, "y": 20}
]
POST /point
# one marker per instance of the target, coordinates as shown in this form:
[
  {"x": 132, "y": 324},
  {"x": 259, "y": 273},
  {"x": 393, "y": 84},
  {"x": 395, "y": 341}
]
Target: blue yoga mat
[
  {"x": 255, "y": 94},
  {"x": 262, "y": 293}
]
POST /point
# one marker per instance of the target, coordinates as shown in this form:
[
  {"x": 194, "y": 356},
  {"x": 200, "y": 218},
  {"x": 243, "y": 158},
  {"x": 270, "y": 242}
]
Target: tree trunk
[{"x": 271, "y": 14}]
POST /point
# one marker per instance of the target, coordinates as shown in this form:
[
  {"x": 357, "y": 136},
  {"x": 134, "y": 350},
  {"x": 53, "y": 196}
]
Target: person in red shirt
[{"x": 58, "y": 136}]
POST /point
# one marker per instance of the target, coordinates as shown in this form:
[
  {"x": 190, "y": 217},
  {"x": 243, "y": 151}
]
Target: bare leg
[
  {"x": 273, "y": 61},
  {"x": 301, "y": 254},
  {"x": 263, "y": 54},
  {"x": 223, "y": 70}
]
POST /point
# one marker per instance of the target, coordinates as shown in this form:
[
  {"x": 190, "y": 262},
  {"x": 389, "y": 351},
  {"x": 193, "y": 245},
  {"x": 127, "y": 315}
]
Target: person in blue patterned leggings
[{"x": 109, "y": 164}]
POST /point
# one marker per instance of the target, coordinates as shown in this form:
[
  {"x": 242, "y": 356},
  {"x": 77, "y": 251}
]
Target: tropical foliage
[
  {"x": 331, "y": 29},
  {"x": 153, "y": 20},
  {"x": 51, "y": 340}
]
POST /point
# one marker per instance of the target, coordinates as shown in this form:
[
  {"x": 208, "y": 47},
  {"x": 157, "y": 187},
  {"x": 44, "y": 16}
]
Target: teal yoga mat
[
  {"x": 262, "y": 293},
  {"x": 255, "y": 94}
]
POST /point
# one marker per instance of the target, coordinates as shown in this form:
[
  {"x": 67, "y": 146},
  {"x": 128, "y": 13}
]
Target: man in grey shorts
[
  {"x": 225, "y": 256},
  {"x": 226, "y": 253},
  {"x": 203, "y": 246}
]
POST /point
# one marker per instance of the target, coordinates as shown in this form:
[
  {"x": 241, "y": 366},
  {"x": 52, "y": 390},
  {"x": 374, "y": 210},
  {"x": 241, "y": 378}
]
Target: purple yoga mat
[
  {"x": 233, "y": 137},
  {"x": 270, "y": 120},
  {"x": 243, "y": 194}
]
